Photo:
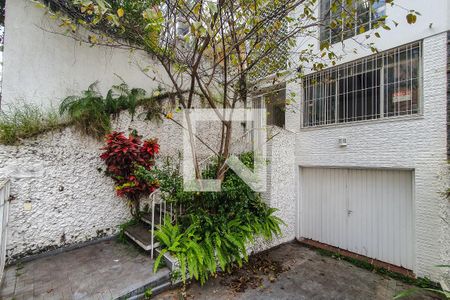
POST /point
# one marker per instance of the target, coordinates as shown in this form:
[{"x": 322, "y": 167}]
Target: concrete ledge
[
  {"x": 157, "y": 286},
  {"x": 60, "y": 250}
]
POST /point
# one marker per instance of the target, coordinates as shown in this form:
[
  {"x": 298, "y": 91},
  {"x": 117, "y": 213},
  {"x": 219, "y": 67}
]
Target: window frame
[
  {"x": 258, "y": 100},
  {"x": 342, "y": 31},
  {"x": 384, "y": 116}
]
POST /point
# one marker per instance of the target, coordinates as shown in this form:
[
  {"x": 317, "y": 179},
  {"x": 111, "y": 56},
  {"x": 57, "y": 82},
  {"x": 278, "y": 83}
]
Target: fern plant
[
  {"x": 88, "y": 111},
  {"x": 200, "y": 250},
  {"x": 184, "y": 246},
  {"x": 127, "y": 98},
  {"x": 91, "y": 113},
  {"x": 215, "y": 228}
]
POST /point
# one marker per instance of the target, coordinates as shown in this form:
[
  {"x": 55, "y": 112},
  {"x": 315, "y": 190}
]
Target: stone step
[
  {"x": 141, "y": 235},
  {"x": 158, "y": 283},
  {"x": 147, "y": 218}
]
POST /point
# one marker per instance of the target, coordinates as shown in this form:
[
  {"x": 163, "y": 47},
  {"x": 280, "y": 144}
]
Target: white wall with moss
[{"x": 60, "y": 195}]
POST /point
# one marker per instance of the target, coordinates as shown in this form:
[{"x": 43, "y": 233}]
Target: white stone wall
[
  {"x": 281, "y": 186},
  {"x": 434, "y": 19},
  {"x": 72, "y": 201},
  {"x": 56, "y": 172},
  {"x": 416, "y": 142}
]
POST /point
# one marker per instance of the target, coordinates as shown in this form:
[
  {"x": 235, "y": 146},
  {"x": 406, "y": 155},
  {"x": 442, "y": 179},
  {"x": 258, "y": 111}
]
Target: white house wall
[
  {"x": 43, "y": 67},
  {"x": 281, "y": 186},
  {"x": 434, "y": 19},
  {"x": 416, "y": 142}
]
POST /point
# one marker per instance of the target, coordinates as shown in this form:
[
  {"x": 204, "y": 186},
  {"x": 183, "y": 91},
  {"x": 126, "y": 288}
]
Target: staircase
[{"x": 143, "y": 233}]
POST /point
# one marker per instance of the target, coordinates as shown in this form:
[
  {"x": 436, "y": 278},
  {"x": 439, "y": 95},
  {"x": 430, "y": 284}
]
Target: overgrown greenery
[
  {"x": 428, "y": 288},
  {"x": 91, "y": 113},
  {"x": 213, "y": 229},
  {"x": 26, "y": 120}
]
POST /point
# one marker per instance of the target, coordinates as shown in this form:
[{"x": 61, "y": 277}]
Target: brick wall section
[{"x": 418, "y": 143}]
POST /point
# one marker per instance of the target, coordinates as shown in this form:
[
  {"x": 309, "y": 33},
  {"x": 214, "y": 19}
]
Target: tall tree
[{"x": 214, "y": 49}]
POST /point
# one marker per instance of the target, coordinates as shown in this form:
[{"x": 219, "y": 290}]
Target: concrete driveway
[{"x": 293, "y": 271}]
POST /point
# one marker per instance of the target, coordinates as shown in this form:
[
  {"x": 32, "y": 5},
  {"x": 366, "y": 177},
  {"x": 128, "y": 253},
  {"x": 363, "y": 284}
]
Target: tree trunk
[
  {"x": 222, "y": 169},
  {"x": 192, "y": 145}
]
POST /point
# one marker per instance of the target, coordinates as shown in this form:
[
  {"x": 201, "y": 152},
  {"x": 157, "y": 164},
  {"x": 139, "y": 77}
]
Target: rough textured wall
[
  {"x": 71, "y": 200},
  {"x": 281, "y": 181},
  {"x": 416, "y": 142},
  {"x": 57, "y": 172},
  {"x": 42, "y": 67}
]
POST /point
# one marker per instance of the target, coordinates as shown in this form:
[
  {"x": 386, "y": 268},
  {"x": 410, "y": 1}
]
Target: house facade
[
  {"x": 359, "y": 161},
  {"x": 372, "y": 140}
]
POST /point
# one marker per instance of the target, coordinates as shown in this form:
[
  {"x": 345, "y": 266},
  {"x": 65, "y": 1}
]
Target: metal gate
[{"x": 365, "y": 211}]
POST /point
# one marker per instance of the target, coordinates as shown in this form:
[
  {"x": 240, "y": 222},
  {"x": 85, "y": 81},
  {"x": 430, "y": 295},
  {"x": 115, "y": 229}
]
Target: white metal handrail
[
  {"x": 159, "y": 217},
  {"x": 4, "y": 215}
]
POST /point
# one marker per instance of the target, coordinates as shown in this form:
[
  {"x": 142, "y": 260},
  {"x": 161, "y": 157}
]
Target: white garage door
[{"x": 369, "y": 212}]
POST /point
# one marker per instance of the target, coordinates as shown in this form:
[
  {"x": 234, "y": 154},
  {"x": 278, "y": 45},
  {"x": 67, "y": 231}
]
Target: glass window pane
[
  {"x": 358, "y": 14},
  {"x": 401, "y": 78},
  {"x": 276, "y": 107},
  {"x": 378, "y": 9}
]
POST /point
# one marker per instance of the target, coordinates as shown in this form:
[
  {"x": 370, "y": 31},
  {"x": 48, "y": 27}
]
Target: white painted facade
[
  {"x": 416, "y": 143},
  {"x": 43, "y": 68}
]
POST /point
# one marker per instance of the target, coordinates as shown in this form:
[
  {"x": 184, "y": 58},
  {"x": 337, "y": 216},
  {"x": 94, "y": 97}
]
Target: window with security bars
[
  {"x": 353, "y": 17},
  {"x": 380, "y": 86}
]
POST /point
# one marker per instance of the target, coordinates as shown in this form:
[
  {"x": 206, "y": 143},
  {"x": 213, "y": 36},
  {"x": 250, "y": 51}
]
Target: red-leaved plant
[{"x": 126, "y": 159}]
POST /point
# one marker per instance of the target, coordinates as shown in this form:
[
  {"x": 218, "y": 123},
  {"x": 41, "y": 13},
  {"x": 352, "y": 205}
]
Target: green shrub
[
  {"x": 213, "y": 228},
  {"x": 91, "y": 113},
  {"x": 26, "y": 120},
  {"x": 425, "y": 284}
]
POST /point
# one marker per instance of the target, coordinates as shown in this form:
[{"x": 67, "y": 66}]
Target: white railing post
[{"x": 4, "y": 215}]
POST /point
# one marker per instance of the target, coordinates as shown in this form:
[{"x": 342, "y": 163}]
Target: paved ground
[
  {"x": 101, "y": 271},
  {"x": 305, "y": 275},
  {"x": 108, "y": 270}
]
